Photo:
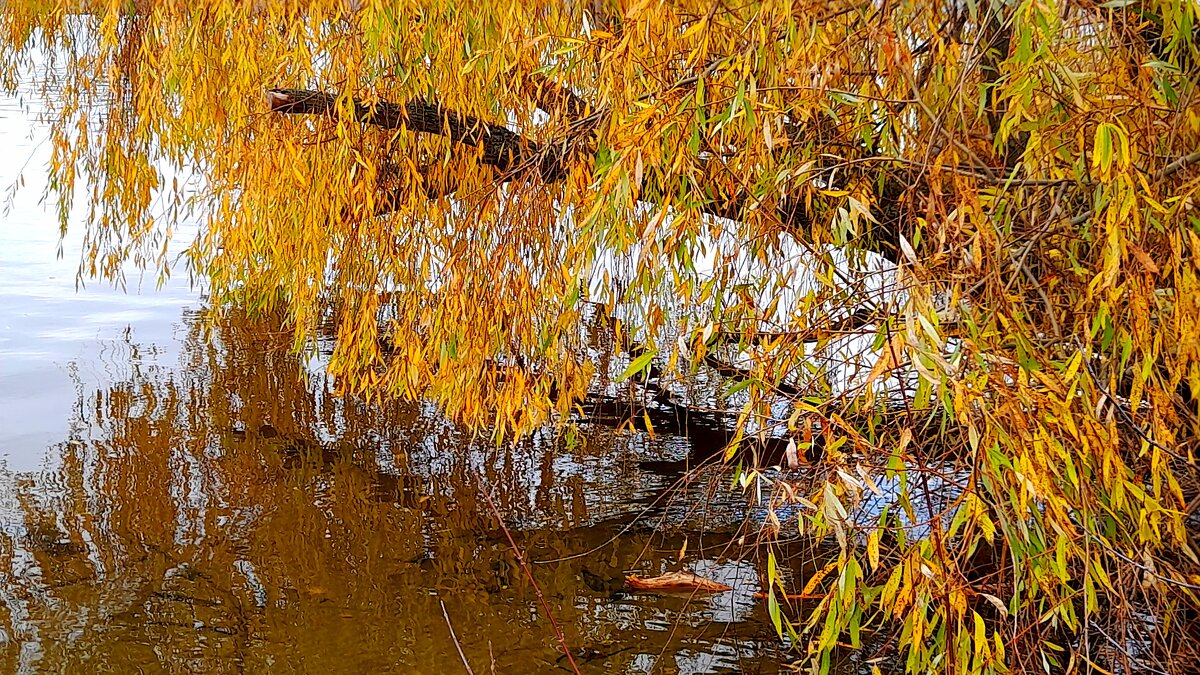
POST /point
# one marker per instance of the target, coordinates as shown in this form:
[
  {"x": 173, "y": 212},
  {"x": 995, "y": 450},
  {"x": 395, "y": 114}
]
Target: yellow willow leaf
[
  {"x": 1102, "y": 149},
  {"x": 996, "y": 602},
  {"x": 814, "y": 581}
]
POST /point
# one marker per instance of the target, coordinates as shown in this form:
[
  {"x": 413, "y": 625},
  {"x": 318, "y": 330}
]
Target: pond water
[{"x": 185, "y": 495}]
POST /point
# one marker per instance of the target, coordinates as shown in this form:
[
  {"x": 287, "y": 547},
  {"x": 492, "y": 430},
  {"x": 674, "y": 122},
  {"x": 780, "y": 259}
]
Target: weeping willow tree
[{"x": 987, "y": 205}]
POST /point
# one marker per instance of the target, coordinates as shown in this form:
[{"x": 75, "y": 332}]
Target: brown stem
[
  {"x": 562, "y": 640},
  {"x": 450, "y": 626}
]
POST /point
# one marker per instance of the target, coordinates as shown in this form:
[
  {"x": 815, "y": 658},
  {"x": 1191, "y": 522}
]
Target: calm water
[{"x": 185, "y": 496}]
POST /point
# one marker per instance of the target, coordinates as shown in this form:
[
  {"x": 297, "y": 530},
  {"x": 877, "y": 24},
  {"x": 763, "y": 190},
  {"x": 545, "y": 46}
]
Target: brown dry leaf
[
  {"x": 1140, "y": 255},
  {"x": 677, "y": 581},
  {"x": 891, "y": 358}
]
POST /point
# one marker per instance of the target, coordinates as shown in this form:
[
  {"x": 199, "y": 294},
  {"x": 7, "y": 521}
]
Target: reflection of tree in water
[{"x": 238, "y": 515}]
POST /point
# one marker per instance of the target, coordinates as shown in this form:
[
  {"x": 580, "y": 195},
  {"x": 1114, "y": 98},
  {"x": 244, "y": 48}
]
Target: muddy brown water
[{"x": 181, "y": 495}]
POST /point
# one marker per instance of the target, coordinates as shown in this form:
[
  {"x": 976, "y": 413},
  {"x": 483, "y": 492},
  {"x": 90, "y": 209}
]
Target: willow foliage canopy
[{"x": 503, "y": 206}]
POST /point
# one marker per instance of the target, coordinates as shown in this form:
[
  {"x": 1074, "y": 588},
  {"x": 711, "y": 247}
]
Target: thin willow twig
[
  {"x": 562, "y": 640},
  {"x": 461, "y": 655}
]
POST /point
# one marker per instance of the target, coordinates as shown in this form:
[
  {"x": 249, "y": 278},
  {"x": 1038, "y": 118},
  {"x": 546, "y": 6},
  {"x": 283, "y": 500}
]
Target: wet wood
[{"x": 676, "y": 582}]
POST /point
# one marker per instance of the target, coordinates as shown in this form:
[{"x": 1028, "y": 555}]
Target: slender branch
[
  {"x": 738, "y": 373},
  {"x": 461, "y": 655},
  {"x": 1178, "y": 165},
  {"x": 827, "y": 327},
  {"x": 562, "y": 640}
]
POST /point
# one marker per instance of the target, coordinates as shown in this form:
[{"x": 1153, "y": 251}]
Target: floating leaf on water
[{"x": 677, "y": 581}]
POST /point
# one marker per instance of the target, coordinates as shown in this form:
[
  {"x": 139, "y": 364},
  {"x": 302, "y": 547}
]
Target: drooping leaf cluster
[{"x": 997, "y": 196}]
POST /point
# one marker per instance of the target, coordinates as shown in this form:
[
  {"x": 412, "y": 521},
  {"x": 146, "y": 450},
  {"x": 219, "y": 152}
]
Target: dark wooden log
[
  {"x": 503, "y": 148},
  {"x": 517, "y": 157}
]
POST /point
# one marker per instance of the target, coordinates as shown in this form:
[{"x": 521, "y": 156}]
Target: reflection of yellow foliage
[{"x": 218, "y": 517}]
